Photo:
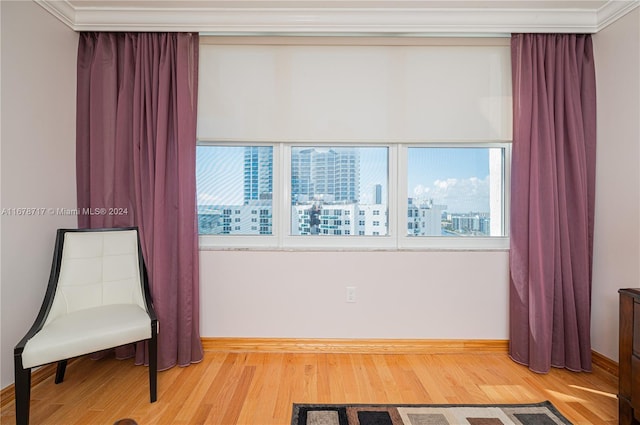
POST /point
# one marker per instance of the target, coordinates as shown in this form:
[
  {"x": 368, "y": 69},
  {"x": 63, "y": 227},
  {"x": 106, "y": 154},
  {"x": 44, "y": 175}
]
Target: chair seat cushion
[{"x": 87, "y": 331}]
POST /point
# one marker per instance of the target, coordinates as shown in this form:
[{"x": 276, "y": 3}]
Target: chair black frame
[{"x": 22, "y": 384}]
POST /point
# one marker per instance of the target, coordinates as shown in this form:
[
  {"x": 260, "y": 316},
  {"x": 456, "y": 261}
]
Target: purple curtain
[
  {"x": 135, "y": 147},
  {"x": 552, "y": 200}
]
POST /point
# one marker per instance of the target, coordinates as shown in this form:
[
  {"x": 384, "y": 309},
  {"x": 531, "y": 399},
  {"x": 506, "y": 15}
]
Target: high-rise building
[
  {"x": 258, "y": 173},
  {"x": 339, "y": 219},
  {"x": 330, "y": 175}
]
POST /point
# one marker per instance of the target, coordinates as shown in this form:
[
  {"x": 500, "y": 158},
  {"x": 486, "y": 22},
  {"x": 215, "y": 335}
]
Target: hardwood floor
[{"x": 258, "y": 388}]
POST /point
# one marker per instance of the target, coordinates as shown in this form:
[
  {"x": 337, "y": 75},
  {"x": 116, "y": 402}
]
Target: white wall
[
  {"x": 617, "y": 221},
  {"x": 431, "y": 295},
  {"x": 37, "y": 159}
]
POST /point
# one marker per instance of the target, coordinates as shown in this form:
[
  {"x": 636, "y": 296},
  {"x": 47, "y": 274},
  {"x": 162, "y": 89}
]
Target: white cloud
[{"x": 459, "y": 195}]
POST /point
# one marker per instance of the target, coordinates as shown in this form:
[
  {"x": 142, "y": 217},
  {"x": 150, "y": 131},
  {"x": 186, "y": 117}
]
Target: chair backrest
[{"x": 97, "y": 268}]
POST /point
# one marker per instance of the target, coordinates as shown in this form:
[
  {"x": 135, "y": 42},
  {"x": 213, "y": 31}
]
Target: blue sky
[{"x": 456, "y": 177}]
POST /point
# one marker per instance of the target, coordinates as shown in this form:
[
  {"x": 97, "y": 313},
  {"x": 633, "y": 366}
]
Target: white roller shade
[{"x": 458, "y": 90}]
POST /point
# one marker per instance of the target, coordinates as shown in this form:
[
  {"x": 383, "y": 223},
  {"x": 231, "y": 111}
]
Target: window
[
  {"x": 453, "y": 195},
  {"x": 455, "y": 191},
  {"x": 404, "y": 145},
  {"x": 238, "y": 179},
  {"x": 328, "y": 183}
]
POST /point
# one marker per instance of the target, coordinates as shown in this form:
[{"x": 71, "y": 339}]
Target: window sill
[{"x": 385, "y": 244}]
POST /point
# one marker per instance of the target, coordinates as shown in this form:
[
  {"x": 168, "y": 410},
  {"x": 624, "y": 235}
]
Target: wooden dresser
[{"x": 629, "y": 364}]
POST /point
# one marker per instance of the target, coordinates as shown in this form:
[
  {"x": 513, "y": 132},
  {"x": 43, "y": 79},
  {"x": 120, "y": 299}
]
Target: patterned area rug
[{"x": 427, "y": 414}]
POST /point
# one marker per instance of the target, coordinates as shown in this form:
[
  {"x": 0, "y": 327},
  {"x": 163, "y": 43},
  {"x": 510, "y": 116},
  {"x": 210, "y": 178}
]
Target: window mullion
[
  {"x": 284, "y": 192},
  {"x": 401, "y": 194}
]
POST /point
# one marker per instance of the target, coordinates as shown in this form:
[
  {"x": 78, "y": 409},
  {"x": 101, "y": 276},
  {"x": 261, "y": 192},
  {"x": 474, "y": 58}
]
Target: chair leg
[
  {"x": 62, "y": 367},
  {"x": 153, "y": 367},
  {"x": 22, "y": 388}
]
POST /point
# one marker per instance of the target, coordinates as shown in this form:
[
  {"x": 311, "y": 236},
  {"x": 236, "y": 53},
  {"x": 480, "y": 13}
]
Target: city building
[
  {"x": 258, "y": 173},
  {"x": 424, "y": 218},
  {"x": 325, "y": 174}
]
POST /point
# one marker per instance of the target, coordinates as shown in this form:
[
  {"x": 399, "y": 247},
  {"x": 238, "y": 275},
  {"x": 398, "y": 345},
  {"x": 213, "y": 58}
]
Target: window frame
[
  {"x": 457, "y": 243},
  {"x": 397, "y": 208},
  {"x": 248, "y": 241}
]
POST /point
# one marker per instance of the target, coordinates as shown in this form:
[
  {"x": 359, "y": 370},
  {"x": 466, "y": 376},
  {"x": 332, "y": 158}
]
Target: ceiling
[{"x": 283, "y": 17}]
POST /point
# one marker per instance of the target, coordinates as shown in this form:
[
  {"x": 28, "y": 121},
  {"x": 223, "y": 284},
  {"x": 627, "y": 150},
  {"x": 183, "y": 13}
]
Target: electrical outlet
[{"x": 351, "y": 294}]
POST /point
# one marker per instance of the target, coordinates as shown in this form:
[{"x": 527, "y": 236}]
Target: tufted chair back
[{"x": 97, "y": 269}]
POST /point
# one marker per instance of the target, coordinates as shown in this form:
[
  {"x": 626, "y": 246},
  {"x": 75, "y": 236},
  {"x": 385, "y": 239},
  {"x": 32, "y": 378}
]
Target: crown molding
[
  {"x": 61, "y": 10},
  {"x": 410, "y": 18},
  {"x": 612, "y": 11}
]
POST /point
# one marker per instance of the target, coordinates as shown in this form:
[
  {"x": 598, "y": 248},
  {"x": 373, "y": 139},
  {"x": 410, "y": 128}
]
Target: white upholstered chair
[{"x": 97, "y": 298}]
